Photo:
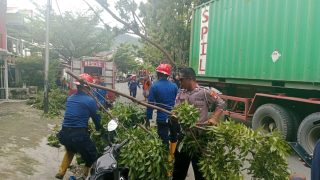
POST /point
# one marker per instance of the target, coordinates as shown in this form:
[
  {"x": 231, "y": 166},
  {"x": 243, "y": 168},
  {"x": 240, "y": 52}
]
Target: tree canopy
[
  {"x": 164, "y": 24},
  {"x": 125, "y": 58},
  {"x": 72, "y": 35}
]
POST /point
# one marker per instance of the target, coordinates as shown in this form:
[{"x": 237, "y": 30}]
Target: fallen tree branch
[
  {"x": 119, "y": 93},
  {"x": 128, "y": 97}
]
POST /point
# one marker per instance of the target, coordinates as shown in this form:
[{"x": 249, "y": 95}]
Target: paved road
[
  {"x": 23, "y": 151},
  {"x": 294, "y": 164}
]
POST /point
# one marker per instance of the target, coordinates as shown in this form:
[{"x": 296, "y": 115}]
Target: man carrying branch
[
  {"x": 203, "y": 99},
  {"x": 162, "y": 94}
]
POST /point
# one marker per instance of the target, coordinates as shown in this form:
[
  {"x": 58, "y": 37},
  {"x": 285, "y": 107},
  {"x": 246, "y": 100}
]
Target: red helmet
[
  {"x": 164, "y": 69},
  {"x": 85, "y": 77}
]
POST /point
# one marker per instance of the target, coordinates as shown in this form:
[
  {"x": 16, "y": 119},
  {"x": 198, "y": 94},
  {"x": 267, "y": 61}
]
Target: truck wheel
[
  {"x": 309, "y": 132},
  {"x": 271, "y": 117}
]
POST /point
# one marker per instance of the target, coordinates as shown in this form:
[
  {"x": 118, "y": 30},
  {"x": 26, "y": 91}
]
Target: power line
[{"x": 58, "y": 8}]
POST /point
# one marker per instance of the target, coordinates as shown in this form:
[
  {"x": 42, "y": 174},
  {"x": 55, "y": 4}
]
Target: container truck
[{"x": 264, "y": 55}]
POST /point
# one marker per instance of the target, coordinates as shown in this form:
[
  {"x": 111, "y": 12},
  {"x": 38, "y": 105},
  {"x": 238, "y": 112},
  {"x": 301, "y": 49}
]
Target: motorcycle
[{"x": 106, "y": 166}]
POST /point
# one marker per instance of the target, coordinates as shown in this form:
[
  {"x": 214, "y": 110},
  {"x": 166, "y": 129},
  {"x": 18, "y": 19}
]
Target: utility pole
[
  {"x": 46, "y": 63},
  {"x": 6, "y": 77}
]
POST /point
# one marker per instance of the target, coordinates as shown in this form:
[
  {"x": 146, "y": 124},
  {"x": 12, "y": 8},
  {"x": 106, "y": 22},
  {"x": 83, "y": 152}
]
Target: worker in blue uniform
[
  {"x": 74, "y": 132},
  {"x": 133, "y": 85},
  {"x": 163, "y": 94}
]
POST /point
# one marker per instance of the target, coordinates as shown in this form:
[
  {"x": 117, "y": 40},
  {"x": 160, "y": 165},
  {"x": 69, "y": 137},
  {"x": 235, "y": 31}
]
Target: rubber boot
[
  {"x": 172, "y": 149},
  {"x": 66, "y": 161}
]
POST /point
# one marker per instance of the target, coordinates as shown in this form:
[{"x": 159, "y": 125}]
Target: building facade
[
  {"x": 4, "y": 87},
  {"x": 3, "y": 30}
]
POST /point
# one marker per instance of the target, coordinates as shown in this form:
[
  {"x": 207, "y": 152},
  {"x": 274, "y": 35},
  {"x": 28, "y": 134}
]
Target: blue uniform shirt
[
  {"x": 163, "y": 93},
  {"x": 133, "y": 85},
  {"x": 101, "y": 94},
  {"x": 79, "y": 108}
]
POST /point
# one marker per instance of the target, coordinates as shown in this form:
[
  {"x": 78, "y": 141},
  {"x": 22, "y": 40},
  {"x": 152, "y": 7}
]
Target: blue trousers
[
  {"x": 77, "y": 140},
  {"x": 168, "y": 131},
  {"x": 163, "y": 132},
  {"x": 133, "y": 92}
]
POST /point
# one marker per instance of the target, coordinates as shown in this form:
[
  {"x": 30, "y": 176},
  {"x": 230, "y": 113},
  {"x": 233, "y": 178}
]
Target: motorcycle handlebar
[
  {"x": 119, "y": 146},
  {"x": 123, "y": 143}
]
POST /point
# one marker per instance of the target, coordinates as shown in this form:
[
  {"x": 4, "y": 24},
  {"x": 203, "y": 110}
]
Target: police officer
[
  {"x": 74, "y": 133},
  {"x": 162, "y": 93},
  {"x": 203, "y": 99}
]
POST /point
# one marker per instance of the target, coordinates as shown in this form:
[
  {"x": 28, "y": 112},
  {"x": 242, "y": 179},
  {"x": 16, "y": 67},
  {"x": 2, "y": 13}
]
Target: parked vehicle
[
  {"x": 106, "y": 167},
  {"x": 95, "y": 66},
  {"x": 264, "y": 57}
]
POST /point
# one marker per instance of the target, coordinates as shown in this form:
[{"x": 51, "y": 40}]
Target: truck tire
[
  {"x": 270, "y": 117},
  {"x": 309, "y": 132}
]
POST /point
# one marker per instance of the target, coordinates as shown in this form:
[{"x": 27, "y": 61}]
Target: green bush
[
  {"x": 57, "y": 100},
  {"x": 145, "y": 155},
  {"x": 32, "y": 71},
  {"x": 233, "y": 148},
  {"x": 226, "y": 151}
]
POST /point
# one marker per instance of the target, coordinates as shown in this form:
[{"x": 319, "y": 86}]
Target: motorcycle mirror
[{"x": 112, "y": 125}]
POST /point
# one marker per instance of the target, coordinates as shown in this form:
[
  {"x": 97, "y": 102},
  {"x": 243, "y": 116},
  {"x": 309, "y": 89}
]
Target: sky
[{"x": 67, "y": 5}]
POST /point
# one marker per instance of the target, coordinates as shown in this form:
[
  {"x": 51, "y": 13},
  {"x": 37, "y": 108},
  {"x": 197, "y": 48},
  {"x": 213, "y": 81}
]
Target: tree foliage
[
  {"x": 57, "y": 102},
  {"x": 32, "y": 71},
  {"x": 227, "y": 151},
  {"x": 169, "y": 24},
  {"x": 164, "y": 24},
  {"x": 76, "y": 35},
  {"x": 127, "y": 15},
  {"x": 72, "y": 35},
  {"x": 125, "y": 58},
  {"x": 150, "y": 55}
]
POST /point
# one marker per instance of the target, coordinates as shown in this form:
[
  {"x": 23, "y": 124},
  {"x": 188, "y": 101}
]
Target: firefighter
[
  {"x": 162, "y": 93},
  {"x": 203, "y": 99},
  {"x": 133, "y": 86},
  {"x": 74, "y": 132}
]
